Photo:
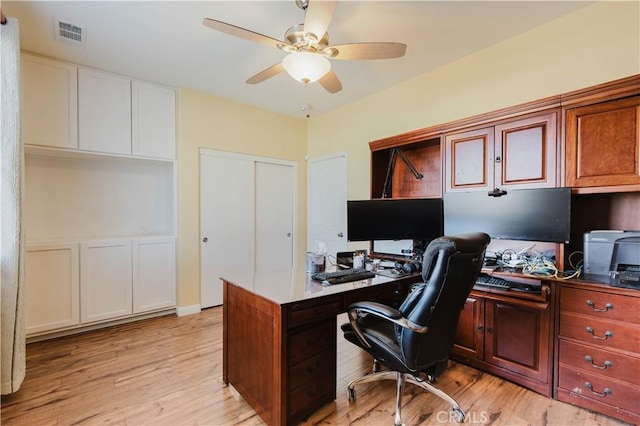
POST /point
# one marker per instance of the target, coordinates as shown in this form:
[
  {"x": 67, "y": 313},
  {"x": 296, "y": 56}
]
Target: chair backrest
[{"x": 450, "y": 268}]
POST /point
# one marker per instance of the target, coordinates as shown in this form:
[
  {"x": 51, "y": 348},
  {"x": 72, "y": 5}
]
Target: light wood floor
[{"x": 168, "y": 371}]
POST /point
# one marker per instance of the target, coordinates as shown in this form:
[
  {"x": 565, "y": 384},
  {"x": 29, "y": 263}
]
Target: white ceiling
[{"x": 165, "y": 41}]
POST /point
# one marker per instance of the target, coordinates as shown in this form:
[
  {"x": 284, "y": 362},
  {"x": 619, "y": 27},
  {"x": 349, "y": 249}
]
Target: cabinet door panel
[
  {"x": 153, "y": 120},
  {"x": 104, "y": 111},
  {"x": 469, "y": 160},
  {"x": 515, "y": 339},
  {"x": 469, "y": 335},
  {"x": 49, "y": 103},
  {"x": 105, "y": 280},
  {"x": 52, "y": 290},
  {"x": 154, "y": 274},
  {"x": 526, "y": 153},
  {"x": 603, "y": 144}
]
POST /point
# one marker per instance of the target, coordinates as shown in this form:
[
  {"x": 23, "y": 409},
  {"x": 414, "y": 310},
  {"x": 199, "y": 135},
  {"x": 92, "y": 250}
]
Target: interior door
[
  {"x": 274, "y": 195},
  {"x": 327, "y": 204},
  {"x": 226, "y": 220}
]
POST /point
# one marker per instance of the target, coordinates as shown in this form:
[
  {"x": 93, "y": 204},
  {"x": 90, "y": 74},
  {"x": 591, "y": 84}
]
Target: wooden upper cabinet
[
  {"x": 469, "y": 160},
  {"x": 602, "y": 144},
  {"x": 515, "y": 154}
]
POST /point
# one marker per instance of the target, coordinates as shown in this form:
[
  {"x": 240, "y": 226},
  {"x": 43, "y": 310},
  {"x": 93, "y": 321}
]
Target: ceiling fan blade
[
  {"x": 266, "y": 74},
  {"x": 370, "y": 50},
  {"x": 241, "y": 32},
  {"x": 330, "y": 82},
  {"x": 318, "y": 16}
]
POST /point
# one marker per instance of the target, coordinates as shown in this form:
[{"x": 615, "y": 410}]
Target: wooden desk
[{"x": 279, "y": 347}]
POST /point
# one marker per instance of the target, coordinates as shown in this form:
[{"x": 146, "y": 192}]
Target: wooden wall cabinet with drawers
[{"x": 598, "y": 349}]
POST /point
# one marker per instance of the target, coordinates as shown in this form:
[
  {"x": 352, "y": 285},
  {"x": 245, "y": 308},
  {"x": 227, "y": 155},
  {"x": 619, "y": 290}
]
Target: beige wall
[
  {"x": 593, "y": 45},
  {"x": 211, "y": 122}
]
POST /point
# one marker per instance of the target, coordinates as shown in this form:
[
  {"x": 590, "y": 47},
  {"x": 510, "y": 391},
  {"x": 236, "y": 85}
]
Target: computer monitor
[
  {"x": 394, "y": 219},
  {"x": 525, "y": 214}
]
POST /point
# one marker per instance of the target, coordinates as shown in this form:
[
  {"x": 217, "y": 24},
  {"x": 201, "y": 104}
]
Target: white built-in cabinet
[
  {"x": 105, "y": 280},
  {"x": 100, "y": 204},
  {"x": 49, "y": 103},
  {"x": 104, "y": 112},
  {"x": 53, "y": 290}
]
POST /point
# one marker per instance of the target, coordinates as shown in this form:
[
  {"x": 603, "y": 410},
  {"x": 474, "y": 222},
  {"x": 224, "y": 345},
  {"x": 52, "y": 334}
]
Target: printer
[{"x": 612, "y": 257}]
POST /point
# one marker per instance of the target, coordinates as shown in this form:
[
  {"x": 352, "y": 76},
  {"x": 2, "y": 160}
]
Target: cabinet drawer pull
[
  {"x": 607, "y": 334},
  {"x": 606, "y": 365},
  {"x": 606, "y": 307},
  {"x": 606, "y": 391}
]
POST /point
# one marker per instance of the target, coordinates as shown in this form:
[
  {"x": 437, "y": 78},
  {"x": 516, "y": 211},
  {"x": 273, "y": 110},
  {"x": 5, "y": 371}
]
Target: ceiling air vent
[{"x": 70, "y": 33}]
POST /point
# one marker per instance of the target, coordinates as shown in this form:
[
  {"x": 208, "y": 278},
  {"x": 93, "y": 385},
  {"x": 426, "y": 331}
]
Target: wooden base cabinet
[
  {"x": 598, "y": 356},
  {"x": 507, "y": 337}
]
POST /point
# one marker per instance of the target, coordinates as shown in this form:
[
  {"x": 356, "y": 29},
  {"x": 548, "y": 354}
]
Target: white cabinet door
[
  {"x": 105, "y": 280},
  {"x": 49, "y": 103},
  {"x": 154, "y": 274},
  {"x": 104, "y": 112},
  {"x": 153, "y": 120},
  {"x": 52, "y": 287}
]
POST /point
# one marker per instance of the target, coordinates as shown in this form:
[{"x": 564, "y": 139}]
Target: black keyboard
[
  {"x": 489, "y": 281},
  {"x": 343, "y": 276}
]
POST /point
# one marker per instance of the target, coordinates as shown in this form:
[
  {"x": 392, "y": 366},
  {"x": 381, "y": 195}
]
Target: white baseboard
[{"x": 188, "y": 310}]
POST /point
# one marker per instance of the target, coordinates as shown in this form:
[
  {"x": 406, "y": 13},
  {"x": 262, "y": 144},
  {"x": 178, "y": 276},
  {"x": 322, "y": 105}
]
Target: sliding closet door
[
  {"x": 247, "y": 216},
  {"x": 226, "y": 221},
  {"x": 274, "y": 216}
]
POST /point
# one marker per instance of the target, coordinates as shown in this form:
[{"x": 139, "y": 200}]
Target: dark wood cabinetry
[
  {"x": 598, "y": 355},
  {"x": 602, "y": 144},
  {"x": 423, "y": 155},
  {"x": 514, "y": 154},
  {"x": 509, "y": 337}
]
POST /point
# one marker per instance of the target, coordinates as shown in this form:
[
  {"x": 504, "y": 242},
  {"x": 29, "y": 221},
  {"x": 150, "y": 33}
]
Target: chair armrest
[{"x": 383, "y": 311}]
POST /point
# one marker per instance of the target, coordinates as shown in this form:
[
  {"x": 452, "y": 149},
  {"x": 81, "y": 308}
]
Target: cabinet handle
[
  {"x": 606, "y": 365},
  {"x": 606, "y": 307},
  {"x": 489, "y": 329},
  {"x": 606, "y": 391},
  {"x": 607, "y": 334},
  {"x": 480, "y": 327}
]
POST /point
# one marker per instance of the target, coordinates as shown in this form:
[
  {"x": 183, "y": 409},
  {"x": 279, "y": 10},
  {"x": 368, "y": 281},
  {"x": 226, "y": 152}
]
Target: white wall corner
[{"x": 182, "y": 311}]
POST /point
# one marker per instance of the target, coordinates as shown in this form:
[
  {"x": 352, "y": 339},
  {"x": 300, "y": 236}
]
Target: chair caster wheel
[
  {"x": 352, "y": 394},
  {"x": 459, "y": 415}
]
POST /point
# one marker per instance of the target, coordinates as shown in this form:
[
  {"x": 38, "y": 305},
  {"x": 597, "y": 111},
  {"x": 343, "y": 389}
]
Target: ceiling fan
[{"x": 307, "y": 47}]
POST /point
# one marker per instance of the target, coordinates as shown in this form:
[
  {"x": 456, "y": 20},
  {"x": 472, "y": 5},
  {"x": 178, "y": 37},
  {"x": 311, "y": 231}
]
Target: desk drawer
[
  {"x": 602, "y": 389},
  {"x": 308, "y": 399},
  {"x": 600, "y": 304},
  {"x": 313, "y": 310},
  {"x": 312, "y": 341},
  {"x": 601, "y": 332},
  {"x": 313, "y": 369},
  {"x": 600, "y": 361}
]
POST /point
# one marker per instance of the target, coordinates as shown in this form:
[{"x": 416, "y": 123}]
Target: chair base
[{"x": 401, "y": 379}]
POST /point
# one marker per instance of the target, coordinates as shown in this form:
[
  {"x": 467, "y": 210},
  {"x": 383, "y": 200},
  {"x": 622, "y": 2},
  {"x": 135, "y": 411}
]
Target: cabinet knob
[
  {"x": 205, "y": 239},
  {"x": 340, "y": 234},
  {"x": 498, "y": 159},
  {"x": 288, "y": 234}
]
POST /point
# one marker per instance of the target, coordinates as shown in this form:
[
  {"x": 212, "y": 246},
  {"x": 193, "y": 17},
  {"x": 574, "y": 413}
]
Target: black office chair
[{"x": 414, "y": 341}]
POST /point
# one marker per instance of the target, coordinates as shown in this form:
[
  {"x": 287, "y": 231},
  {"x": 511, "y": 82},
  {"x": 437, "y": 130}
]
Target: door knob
[{"x": 205, "y": 239}]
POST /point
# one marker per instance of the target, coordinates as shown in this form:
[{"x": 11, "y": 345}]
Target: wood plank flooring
[{"x": 168, "y": 371}]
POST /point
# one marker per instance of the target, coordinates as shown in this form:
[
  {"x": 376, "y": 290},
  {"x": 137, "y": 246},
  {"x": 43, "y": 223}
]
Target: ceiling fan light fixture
[{"x": 306, "y": 67}]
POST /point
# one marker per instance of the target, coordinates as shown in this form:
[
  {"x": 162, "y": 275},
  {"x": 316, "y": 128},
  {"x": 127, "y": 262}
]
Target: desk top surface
[{"x": 287, "y": 286}]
